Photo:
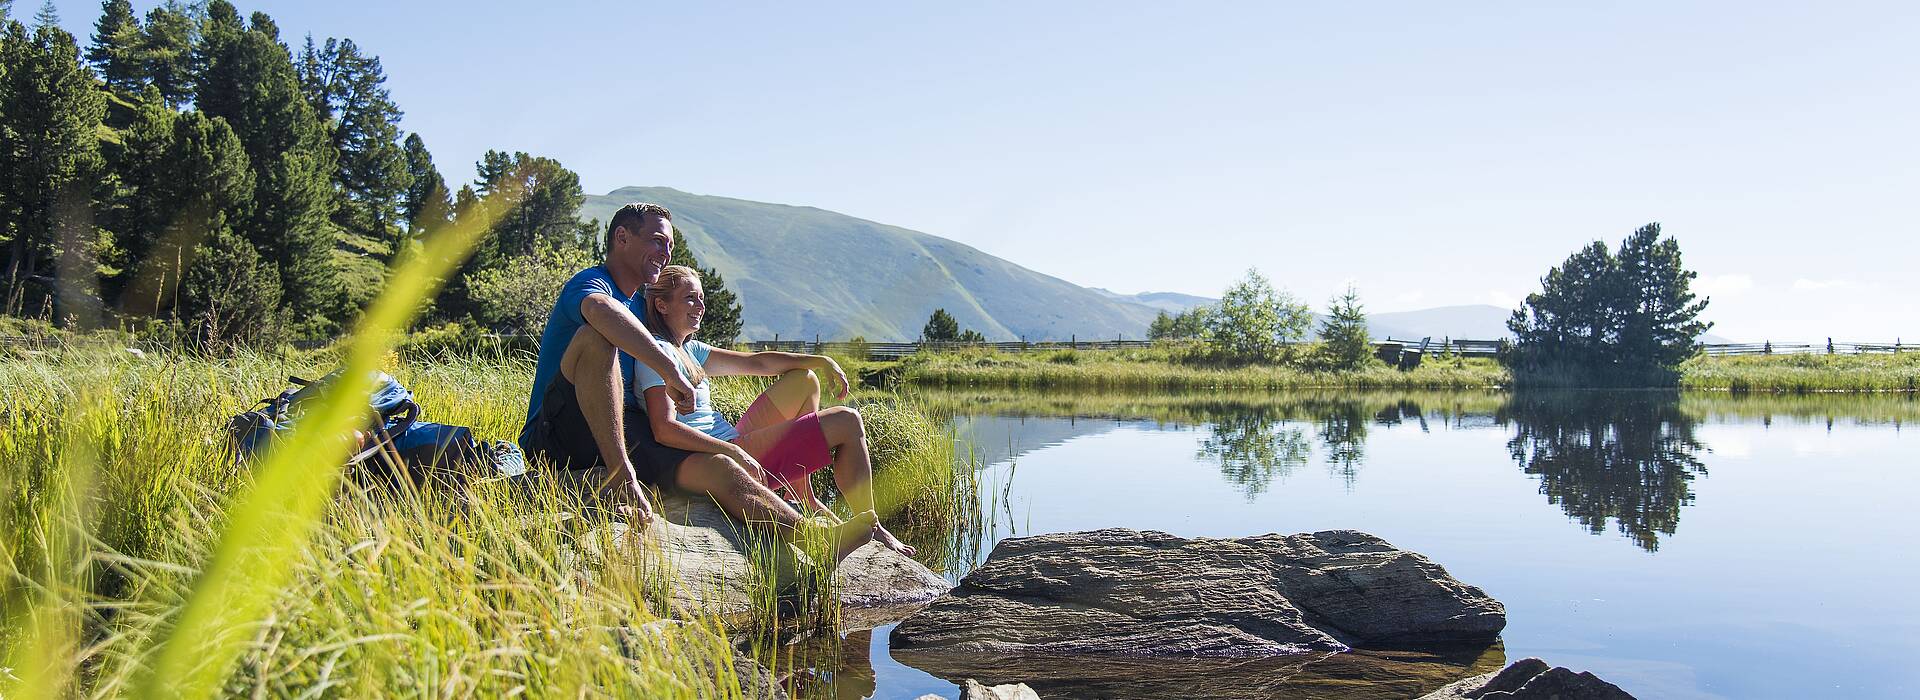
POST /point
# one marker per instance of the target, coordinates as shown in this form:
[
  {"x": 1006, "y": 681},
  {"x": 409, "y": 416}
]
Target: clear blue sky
[{"x": 1430, "y": 153}]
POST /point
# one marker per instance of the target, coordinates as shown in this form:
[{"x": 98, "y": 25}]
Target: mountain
[
  {"x": 803, "y": 272},
  {"x": 1473, "y": 322},
  {"x": 1170, "y": 302}
]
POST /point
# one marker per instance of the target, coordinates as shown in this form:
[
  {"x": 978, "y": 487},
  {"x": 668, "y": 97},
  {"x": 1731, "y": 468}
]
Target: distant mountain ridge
[{"x": 803, "y": 272}]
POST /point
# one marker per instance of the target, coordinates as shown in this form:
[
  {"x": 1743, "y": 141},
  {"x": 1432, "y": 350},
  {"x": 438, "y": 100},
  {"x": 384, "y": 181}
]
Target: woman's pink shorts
[{"x": 788, "y": 450}]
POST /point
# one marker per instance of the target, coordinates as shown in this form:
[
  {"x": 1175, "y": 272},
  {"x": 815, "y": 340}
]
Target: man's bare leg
[
  {"x": 744, "y": 497},
  {"x": 592, "y": 364},
  {"x": 846, "y": 433}
]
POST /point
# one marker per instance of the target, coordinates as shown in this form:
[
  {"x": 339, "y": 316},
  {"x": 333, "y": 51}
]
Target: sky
[{"x": 1429, "y": 154}]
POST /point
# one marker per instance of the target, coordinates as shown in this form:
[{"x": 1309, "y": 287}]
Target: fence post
[
  {"x": 1829, "y": 346},
  {"x": 1768, "y": 349},
  {"x": 1073, "y": 341}
]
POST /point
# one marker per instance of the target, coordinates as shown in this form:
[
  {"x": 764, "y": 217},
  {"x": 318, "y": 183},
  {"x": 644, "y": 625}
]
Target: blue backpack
[{"x": 398, "y": 443}]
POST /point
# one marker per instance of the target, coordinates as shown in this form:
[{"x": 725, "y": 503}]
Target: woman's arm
[
  {"x": 724, "y": 363},
  {"x": 676, "y": 434}
]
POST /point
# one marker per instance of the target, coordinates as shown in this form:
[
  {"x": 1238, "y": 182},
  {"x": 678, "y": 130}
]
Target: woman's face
[{"x": 682, "y": 308}]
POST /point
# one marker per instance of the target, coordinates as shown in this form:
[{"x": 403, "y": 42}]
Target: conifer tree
[
  {"x": 348, "y": 92},
  {"x": 50, "y": 111},
  {"x": 1608, "y": 319},
  {"x": 248, "y": 79},
  {"x": 941, "y": 328},
  {"x": 189, "y": 182},
  {"x": 164, "y": 51},
  {"x": 721, "y": 325},
  {"x": 428, "y": 204},
  {"x": 544, "y": 197},
  {"x": 1344, "y": 332},
  {"x": 115, "y": 50}
]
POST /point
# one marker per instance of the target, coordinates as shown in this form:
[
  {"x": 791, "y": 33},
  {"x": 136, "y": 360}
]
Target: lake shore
[{"x": 1156, "y": 369}]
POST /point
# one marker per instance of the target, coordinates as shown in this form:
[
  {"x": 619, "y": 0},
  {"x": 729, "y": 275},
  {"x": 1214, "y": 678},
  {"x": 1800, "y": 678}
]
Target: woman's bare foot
[
  {"x": 853, "y": 534},
  {"x": 890, "y": 542}
]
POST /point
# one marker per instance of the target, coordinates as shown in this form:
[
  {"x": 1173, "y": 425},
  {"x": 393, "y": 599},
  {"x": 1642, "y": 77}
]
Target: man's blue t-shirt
[{"x": 565, "y": 320}]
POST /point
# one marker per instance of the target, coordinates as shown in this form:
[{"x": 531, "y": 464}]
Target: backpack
[{"x": 398, "y": 444}]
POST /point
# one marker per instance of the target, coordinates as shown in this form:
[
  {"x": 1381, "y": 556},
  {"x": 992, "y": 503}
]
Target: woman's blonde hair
[{"x": 671, "y": 277}]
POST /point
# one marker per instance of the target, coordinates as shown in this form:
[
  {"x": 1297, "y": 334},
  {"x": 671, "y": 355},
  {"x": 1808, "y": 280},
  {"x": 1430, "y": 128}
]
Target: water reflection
[
  {"x": 1628, "y": 457},
  {"x": 1625, "y": 458},
  {"x": 1253, "y": 449}
]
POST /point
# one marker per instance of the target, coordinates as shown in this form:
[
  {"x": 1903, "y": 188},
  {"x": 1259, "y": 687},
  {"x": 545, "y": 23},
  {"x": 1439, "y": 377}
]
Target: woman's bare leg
[
  {"x": 794, "y": 394},
  {"x": 846, "y": 433}
]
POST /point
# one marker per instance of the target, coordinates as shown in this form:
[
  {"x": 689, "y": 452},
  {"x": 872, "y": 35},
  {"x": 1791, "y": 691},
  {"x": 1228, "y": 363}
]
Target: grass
[
  {"x": 118, "y": 496},
  {"x": 1164, "y": 369},
  {"x": 1804, "y": 373}
]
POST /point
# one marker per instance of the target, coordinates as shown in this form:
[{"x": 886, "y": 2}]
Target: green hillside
[{"x": 802, "y": 272}]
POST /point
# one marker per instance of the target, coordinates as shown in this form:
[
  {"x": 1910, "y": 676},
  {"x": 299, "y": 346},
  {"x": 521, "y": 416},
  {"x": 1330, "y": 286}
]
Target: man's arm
[{"x": 620, "y": 327}]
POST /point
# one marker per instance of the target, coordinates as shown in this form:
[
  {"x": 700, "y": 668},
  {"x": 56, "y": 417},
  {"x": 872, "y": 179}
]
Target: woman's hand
[{"x": 831, "y": 368}]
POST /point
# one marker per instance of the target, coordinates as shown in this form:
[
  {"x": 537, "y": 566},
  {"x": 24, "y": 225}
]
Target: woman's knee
[
  {"x": 844, "y": 422},
  {"x": 801, "y": 378}
]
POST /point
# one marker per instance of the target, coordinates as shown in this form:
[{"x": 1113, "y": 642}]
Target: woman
[{"x": 784, "y": 436}]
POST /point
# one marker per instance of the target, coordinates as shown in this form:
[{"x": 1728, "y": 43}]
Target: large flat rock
[
  {"x": 1531, "y": 679},
  {"x": 1131, "y": 593},
  {"x": 708, "y": 557}
]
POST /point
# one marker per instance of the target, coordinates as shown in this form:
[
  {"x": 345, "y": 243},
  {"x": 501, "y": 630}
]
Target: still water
[{"x": 1677, "y": 545}]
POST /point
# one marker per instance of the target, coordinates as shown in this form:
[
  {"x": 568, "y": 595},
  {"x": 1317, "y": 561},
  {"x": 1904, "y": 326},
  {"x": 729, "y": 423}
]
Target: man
[{"x": 582, "y": 417}]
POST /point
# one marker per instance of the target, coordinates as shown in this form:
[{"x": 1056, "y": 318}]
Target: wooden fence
[{"x": 1423, "y": 346}]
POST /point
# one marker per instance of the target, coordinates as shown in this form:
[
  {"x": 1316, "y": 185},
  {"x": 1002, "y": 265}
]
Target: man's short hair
[{"x": 631, "y": 215}]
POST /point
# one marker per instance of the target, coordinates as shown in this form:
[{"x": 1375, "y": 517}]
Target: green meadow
[
  {"x": 120, "y": 493},
  {"x": 1171, "y": 368}
]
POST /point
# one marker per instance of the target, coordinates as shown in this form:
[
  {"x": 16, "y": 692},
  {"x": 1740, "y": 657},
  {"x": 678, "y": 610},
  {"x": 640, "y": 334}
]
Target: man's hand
[
  {"x": 679, "y": 392},
  {"x": 630, "y": 494},
  {"x": 832, "y": 369},
  {"x": 746, "y": 459}
]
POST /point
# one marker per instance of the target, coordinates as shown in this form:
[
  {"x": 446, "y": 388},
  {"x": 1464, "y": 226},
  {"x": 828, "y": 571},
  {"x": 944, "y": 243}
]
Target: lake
[{"x": 1677, "y": 545}]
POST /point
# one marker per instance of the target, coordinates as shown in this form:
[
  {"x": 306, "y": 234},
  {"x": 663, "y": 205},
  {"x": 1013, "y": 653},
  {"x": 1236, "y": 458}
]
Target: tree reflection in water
[
  {"x": 1343, "y": 428},
  {"x": 1624, "y": 456},
  {"x": 1253, "y": 449}
]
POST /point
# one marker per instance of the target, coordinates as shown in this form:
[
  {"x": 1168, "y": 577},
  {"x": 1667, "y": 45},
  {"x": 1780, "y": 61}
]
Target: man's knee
[
  {"x": 713, "y": 472},
  {"x": 587, "y": 350}
]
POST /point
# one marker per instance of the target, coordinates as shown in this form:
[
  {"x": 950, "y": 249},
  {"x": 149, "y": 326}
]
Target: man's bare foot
[
  {"x": 890, "y": 542},
  {"x": 853, "y": 534}
]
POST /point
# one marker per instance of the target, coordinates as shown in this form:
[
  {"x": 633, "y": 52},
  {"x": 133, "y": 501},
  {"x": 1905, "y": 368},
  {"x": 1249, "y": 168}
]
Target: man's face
[{"x": 648, "y": 244}]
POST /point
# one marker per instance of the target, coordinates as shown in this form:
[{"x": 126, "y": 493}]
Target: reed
[{"x": 118, "y": 494}]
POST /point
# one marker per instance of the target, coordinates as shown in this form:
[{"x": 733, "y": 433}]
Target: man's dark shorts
[{"x": 559, "y": 434}]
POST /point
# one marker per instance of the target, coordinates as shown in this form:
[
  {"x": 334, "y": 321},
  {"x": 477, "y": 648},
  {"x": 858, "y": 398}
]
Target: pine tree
[
  {"x": 1609, "y": 319},
  {"x": 348, "y": 92},
  {"x": 49, "y": 155},
  {"x": 191, "y": 183},
  {"x": 1344, "y": 332},
  {"x": 721, "y": 325},
  {"x": 115, "y": 50},
  {"x": 428, "y": 204},
  {"x": 248, "y": 79},
  {"x": 940, "y": 328},
  {"x": 164, "y": 51},
  {"x": 543, "y": 197}
]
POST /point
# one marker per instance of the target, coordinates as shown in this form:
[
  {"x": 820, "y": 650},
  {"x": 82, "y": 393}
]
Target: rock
[
  {"x": 1531, "y": 679},
  {"x": 971, "y": 689},
  {"x": 1123, "y": 592},
  {"x": 708, "y": 556}
]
